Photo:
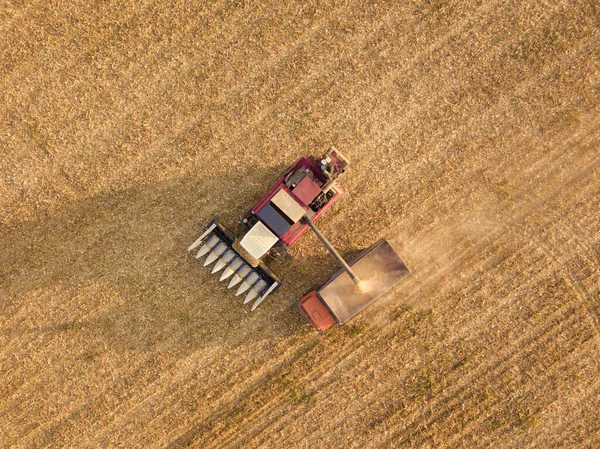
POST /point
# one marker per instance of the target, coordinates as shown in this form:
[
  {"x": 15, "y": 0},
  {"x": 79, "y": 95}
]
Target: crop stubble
[{"x": 473, "y": 133}]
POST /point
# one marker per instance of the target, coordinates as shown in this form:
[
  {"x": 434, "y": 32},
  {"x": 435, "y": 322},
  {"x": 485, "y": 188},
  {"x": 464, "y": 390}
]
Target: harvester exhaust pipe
[{"x": 330, "y": 248}]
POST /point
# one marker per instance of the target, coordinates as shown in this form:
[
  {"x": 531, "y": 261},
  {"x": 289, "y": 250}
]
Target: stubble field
[{"x": 473, "y": 133}]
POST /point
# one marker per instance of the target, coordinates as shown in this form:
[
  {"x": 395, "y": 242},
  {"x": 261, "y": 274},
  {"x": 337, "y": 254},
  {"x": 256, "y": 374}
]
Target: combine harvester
[{"x": 292, "y": 206}]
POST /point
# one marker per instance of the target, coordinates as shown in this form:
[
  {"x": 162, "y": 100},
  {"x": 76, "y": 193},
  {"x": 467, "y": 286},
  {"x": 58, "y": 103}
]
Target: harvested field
[{"x": 473, "y": 133}]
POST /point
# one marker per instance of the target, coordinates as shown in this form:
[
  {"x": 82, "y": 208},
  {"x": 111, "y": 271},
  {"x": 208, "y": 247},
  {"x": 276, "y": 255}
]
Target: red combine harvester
[{"x": 292, "y": 206}]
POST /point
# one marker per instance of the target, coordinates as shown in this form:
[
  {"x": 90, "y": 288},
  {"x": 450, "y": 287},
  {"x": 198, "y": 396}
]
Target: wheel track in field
[
  {"x": 557, "y": 252},
  {"x": 492, "y": 372},
  {"x": 491, "y": 368},
  {"x": 561, "y": 441},
  {"x": 592, "y": 253},
  {"x": 523, "y": 216},
  {"x": 350, "y": 350},
  {"x": 563, "y": 327},
  {"x": 501, "y": 229},
  {"x": 584, "y": 297},
  {"x": 562, "y": 432},
  {"x": 562, "y": 366},
  {"x": 586, "y": 169},
  {"x": 576, "y": 178}
]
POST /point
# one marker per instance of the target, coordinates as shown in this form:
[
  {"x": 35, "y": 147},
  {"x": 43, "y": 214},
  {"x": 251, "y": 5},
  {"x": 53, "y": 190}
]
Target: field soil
[{"x": 473, "y": 133}]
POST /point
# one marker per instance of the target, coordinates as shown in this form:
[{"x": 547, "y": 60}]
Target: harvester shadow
[{"x": 115, "y": 268}]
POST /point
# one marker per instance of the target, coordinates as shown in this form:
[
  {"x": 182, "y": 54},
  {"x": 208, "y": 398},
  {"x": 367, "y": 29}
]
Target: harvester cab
[{"x": 292, "y": 206}]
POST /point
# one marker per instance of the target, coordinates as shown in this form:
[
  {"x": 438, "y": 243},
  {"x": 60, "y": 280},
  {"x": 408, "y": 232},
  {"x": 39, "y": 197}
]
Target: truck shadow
[{"x": 113, "y": 269}]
